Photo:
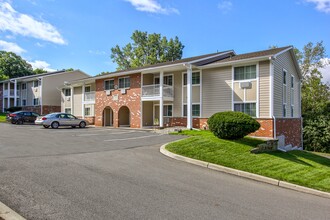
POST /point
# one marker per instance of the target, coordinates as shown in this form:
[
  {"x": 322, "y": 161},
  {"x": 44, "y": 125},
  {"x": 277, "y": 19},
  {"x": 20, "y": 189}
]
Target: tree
[
  {"x": 39, "y": 71},
  {"x": 315, "y": 97},
  {"x": 12, "y": 65},
  {"x": 146, "y": 49}
]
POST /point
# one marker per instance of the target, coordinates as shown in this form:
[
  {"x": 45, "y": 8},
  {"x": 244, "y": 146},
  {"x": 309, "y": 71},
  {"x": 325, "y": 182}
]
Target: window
[
  {"x": 109, "y": 84},
  {"x": 292, "y": 96},
  {"x": 67, "y": 92},
  {"x": 87, "y": 111},
  {"x": 195, "y": 110},
  {"x": 195, "y": 78},
  {"x": 168, "y": 110},
  {"x": 17, "y": 101},
  {"x": 27, "y": 114},
  {"x": 67, "y": 110},
  {"x": 124, "y": 83},
  {"x": 245, "y": 72},
  {"x": 35, "y": 83},
  {"x": 70, "y": 116},
  {"x": 36, "y": 101},
  {"x": 87, "y": 89},
  {"x": 247, "y": 108},
  {"x": 24, "y": 102},
  {"x": 168, "y": 80},
  {"x": 284, "y": 93},
  {"x": 157, "y": 81},
  {"x": 18, "y": 87},
  {"x": 23, "y": 86}
]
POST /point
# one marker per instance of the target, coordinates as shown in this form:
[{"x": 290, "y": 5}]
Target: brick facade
[
  {"x": 266, "y": 128},
  {"x": 46, "y": 109},
  {"x": 1, "y": 96},
  {"x": 90, "y": 120},
  {"x": 181, "y": 121},
  {"x": 132, "y": 100},
  {"x": 291, "y": 129}
]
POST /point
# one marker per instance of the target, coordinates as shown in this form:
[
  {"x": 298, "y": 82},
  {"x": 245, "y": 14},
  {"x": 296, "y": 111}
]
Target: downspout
[
  {"x": 271, "y": 94},
  {"x": 40, "y": 95},
  {"x": 274, "y": 126}
]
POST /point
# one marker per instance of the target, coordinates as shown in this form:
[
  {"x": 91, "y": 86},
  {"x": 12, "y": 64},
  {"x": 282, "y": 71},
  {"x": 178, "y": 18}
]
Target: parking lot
[{"x": 106, "y": 173}]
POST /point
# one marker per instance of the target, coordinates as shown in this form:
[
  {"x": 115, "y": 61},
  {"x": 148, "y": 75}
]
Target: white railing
[
  {"x": 12, "y": 92},
  {"x": 89, "y": 96},
  {"x": 154, "y": 91}
]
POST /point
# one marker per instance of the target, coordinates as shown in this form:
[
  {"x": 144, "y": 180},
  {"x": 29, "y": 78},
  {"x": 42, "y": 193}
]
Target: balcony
[
  {"x": 150, "y": 92},
  {"x": 89, "y": 97}
]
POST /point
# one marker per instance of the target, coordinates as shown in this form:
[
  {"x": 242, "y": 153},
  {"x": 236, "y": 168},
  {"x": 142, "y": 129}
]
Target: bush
[
  {"x": 232, "y": 125},
  {"x": 13, "y": 109}
]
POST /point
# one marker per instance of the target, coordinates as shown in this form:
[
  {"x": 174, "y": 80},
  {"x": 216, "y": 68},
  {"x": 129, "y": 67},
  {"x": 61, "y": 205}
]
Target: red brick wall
[
  {"x": 46, "y": 109},
  {"x": 90, "y": 120},
  {"x": 1, "y": 96},
  {"x": 181, "y": 121},
  {"x": 132, "y": 99},
  {"x": 266, "y": 128},
  {"x": 291, "y": 129}
]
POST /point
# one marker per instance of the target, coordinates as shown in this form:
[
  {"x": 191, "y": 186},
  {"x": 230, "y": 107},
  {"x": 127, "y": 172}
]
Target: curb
[
  {"x": 244, "y": 174},
  {"x": 8, "y": 214}
]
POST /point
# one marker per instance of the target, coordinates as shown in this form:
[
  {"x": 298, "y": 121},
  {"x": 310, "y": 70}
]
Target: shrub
[
  {"x": 13, "y": 109},
  {"x": 232, "y": 125}
]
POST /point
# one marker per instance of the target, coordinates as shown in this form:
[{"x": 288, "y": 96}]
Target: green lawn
[
  {"x": 299, "y": 167},
  {"x": 2, "y": 117}
]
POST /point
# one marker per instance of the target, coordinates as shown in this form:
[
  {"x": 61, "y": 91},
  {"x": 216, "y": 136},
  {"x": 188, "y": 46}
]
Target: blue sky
[{"x": 58, "y": 34}]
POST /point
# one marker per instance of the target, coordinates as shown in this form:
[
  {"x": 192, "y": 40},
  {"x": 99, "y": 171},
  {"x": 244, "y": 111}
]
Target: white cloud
[
  {"x": 40, "y": 64},
  {"x": 225, "y": 6},
  {"x": 326, "y": 70},
  {"x": 23, "y": 24},
  {"x": 151, "y": 6},
  {"x": 97, "y": 52},
  {"x": 11, "y": 47},
  {"x": 321, "y": 5}
]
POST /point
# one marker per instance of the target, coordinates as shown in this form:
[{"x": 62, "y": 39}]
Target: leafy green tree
[
  {"x": 39, "y": 71},
  {"x": 12, "y": 65},
  {"x": 68, "y": 70},
  {"x": 315, "y": 97},
  {"x": 146, "y": 49}
]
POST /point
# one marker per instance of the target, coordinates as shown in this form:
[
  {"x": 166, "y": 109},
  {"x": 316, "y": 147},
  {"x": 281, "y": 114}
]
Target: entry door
[{"x": 156, "y": 114}]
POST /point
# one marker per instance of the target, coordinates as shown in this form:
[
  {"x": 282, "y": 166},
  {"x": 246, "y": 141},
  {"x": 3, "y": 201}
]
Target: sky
[{"x": 79, "y": 34}]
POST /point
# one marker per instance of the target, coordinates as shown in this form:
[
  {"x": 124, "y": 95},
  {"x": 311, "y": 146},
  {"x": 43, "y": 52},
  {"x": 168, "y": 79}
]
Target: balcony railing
[
  {"x": 89, "y": 96},
  {"x": 154, "y": 91},
  {"x": 12, "y": 92}
]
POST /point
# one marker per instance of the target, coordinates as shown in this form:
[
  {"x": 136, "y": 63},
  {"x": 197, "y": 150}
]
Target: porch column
[
  {"x": 83, "y": 101},
  {"x": 40, "y": 95},
  {"x": 3, "y": 97},
  {"x": 8, "y": 97},
  {"x": 15, "y": 93},
  {"x": 161, "y": 101},
  {"x": 189, "y": 97}
]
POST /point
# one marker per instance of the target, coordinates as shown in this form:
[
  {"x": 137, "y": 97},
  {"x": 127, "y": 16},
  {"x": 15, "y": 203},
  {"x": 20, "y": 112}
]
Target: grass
[
  {"x": 298, "y": 167},
  {"x": 2, "y": 117}
]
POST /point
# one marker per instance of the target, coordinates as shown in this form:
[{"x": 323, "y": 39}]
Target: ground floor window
[
  {"x": 247, "y": 108},
  {"x": 168, "y": 109},
  {"x": 67, "y": 110},
  {"x": 36, "y": 101},
  {"x": 196, "y": 110},
  {"x": 24, "y": 102},
  {"x": 87, "y": 111}
]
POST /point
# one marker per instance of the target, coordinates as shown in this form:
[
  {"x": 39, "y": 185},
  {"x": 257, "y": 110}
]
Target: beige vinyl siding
[
  {"x": 217, "y": 91},
  {"x": 238, "y": 93},
  {"x": 148, "y": 79},
  {"x": 50, "y": 94},
  {"x": 147, "y": 110},
  {"x": 195, "y": 94},
  {"x": 251, "y": 93},
  {"x": 285, "y": 61},
  {"x": 177, "y": 102},
  {"x": 264, "y": 89},
  {"x": 30, "y": 93},
  {"x": 77, "y": 101}
]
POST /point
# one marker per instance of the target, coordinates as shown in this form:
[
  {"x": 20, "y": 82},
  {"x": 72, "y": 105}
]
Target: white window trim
[
  {"x": 163, "y": 105},
  {"x": 183, "y": 102},
  {"x": 257, "y": 101},
  {"x": 124, "y": 78},
  {"x": 33, "y": 84},
  {"x": 87, "y": 86},
  {"x": 107, "y": 81},
  {"x": 90, "y": 111},
  {"x": 65, "y": 92},
  {"x": 168, "y": 74},
  {"x": 34, "y": 103},
  {"x": 68, "y": 108}
]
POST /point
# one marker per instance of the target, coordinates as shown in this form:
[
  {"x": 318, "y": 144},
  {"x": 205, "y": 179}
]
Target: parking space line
[{"x": 132, "y": 138}]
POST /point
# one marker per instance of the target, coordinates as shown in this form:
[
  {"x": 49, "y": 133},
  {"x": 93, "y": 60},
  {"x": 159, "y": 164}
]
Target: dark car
[{"x": 22, "y": 117}]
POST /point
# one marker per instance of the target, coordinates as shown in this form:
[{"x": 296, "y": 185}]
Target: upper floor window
[
  {"x": 67, "y": 92},
  {"x": 87, "y": 89},
  {"x": 23, "y": 86},
  {"x": 36, "y": 83},
  {"x": 124, "y": 83},
  {"x": 245, "y": 72},
  {"x": 168, "y": 80},
  {"x": 196, "y": 78},
  {"x": 109, "y": 84}
]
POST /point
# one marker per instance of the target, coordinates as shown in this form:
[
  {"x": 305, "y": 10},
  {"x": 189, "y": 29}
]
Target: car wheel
[
  {"x": 46, "y": 126},
  {"x": 19, "y": 122},
  {"x": 55, "y": 124},
  {"x": 13, "y": 122},
  {"x": 82, "y": 124}
]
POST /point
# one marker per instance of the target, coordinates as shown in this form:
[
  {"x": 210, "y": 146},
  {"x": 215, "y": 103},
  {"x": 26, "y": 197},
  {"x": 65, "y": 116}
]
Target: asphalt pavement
[{"x": 102, "y": 173}]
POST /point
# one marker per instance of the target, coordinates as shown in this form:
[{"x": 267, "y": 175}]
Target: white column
[
  {"x": 161, "y": 101},
  {"x": 15, "y": 93},
  {"x": 3, "y": 97},
  {"x": 83, "y": 101},
  {"x": 189, "y": 97},
  {"x": 40, "y": 95},
  {"x": 8, "y": 97}
]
